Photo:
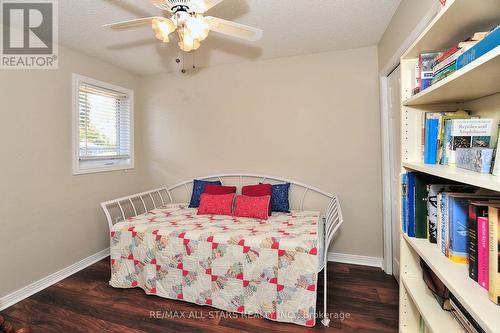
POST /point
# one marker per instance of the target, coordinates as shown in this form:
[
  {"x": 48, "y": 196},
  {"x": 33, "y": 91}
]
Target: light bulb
[
  {"x": 187, "y": 42},
  {"x": 163, "y": 28},
  {"x": 198, "y": 27}
]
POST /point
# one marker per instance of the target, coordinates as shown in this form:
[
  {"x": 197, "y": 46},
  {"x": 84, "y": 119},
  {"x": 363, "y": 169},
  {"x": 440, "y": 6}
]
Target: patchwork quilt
[{"x": 243, "y": 265}]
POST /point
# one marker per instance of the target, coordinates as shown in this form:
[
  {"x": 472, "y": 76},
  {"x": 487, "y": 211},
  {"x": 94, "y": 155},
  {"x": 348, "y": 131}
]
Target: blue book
[
  {"x": 404, "y": 202},
  {"x": 446, "y": 146},
  {"x": 458, "y": 231},
  {"x": 431, "y": 141},
  {"x": 411, "y": 204},
  {"x": 491, "y": 41}
]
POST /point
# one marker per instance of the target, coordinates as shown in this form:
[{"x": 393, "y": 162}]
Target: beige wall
[
  {"x": 51, "y": 219},
  {"x": 404, "y": 21},
  {"x": 310, "y": 118}
]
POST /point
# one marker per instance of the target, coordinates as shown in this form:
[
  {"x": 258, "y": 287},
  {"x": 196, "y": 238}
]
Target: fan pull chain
[{"x": 183, "y": 70}]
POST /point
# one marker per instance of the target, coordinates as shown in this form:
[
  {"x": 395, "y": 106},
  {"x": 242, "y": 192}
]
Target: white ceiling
[{"x": 291, "y": 27}]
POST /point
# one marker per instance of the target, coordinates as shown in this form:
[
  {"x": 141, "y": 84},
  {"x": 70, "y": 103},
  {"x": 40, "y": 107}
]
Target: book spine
[
  {"x": 449, "y": 66},
  {"x": 439, "y": 239},
  {"x": 404, "y": 203},
  {"x": 473, "y": 244},
  {"x": 422, "y": 139},
  {"x": 442, "y": 65},
  {"x": 444, "y": 73},
  {"x": 482, "y": 252},
  {"x": 494, "y": 256},
  {"x": 491, "y": 41},
  {"x": 495, "y": 170},
  {"x": 458, "y": 230},
  {"x": 420, "y": 223},
  {"x": 444, "y": 224},
  {"x": 447, "y": 142},
  {"x": 411, "y": 204},
  {"x": 446, "y": 55},
  {"x": 431, "y": 136}
]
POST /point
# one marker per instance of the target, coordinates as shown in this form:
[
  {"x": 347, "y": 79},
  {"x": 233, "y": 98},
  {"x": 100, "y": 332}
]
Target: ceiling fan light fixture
[
  {"x": 187, "y": 43},
  {"x": 163, "y": 28},
  {"x": 198, "y": 27}
]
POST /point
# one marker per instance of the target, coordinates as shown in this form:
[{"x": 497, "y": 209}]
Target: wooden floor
[{"x": 85, "y": 302}]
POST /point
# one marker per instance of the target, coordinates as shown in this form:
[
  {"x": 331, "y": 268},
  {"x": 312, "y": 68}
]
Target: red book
[
  {"x": 446, "y": 54},
  {"x": 482, "y": 252}
]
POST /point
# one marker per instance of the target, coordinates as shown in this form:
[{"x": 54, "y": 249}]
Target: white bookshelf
[{"x": 476, "y": 87}]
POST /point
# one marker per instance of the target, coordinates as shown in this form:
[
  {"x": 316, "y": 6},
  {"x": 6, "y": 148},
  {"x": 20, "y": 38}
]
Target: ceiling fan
[{"x": 186, "y": 17}]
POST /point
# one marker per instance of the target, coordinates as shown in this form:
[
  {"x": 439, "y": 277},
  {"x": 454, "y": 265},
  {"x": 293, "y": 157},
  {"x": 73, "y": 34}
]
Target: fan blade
[
  {"x": 132, "y": 23},
  {"x": 202, "y": 6},
  {"x": 160, "y": 4},
  {"x": 234, "y": 29}
]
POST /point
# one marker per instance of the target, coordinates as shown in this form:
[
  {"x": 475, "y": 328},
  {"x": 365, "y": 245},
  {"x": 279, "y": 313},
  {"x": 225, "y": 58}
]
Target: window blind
[{"x": 104, "y": 123}]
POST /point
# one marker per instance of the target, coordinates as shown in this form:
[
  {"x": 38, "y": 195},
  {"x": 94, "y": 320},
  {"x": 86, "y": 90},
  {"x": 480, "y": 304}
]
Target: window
[{"x": 102, "y": 126}]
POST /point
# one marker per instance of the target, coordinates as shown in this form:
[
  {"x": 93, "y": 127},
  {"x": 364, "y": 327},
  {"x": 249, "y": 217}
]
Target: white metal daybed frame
[{"x": 332, "y": 218}]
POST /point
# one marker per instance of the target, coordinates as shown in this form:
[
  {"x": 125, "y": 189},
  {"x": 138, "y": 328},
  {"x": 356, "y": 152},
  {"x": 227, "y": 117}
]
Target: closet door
[{"x": 394, "y": 103}]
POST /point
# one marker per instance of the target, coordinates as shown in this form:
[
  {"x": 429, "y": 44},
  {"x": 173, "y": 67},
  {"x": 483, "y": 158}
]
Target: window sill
[{"x": 87, "y": 167}]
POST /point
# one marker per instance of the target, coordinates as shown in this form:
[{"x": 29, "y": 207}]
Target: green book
[{"x": 421, "y": 224}]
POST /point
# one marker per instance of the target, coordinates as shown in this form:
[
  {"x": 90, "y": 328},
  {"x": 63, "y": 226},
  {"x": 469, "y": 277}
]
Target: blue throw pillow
[
  {"x": 198, "y": 189},
  {"x": 279, "y": 198}
]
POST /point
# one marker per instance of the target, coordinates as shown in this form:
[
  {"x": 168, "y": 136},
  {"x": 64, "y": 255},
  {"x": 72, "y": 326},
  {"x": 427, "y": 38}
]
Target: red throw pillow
[
  {"x": 256, "y": 207},
  {"x": 219, "y": 189},
  {"x": 259, "y": 190},
  {"x": 213, "y": 204}
]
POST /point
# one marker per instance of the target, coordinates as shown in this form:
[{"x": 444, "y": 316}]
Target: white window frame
[{"x": 104, "y": 165}]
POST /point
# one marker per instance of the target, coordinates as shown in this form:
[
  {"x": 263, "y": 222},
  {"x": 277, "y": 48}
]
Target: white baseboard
[
  {"x": 47, "y": 281},
  {"x": 355, "y": 259}
]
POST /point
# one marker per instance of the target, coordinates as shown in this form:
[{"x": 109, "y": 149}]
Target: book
[
  {"x": 478, "y": 36},
  {"x": 431, "y": 141},
  {"x": 476, "y": 209},
  {"x": 404, "y": 203},
  {"x": 458, "y": 212},
  {"x": 468, "y": 323},
  {"x": 439, "y": 238},
  {"x": 411, "y": 204},
  {"x": 438, "y": 67},
  {"x": 488, "y": 43},
  {"x": 444, "y": 223},
  {"x": 446, "y": 54},
  {"x": 420, "y": 204},
  {"x": 433, "y": 209},
  {"x": 483, "y": 252},
  {"x": 445, "y": 72},
  {"x": 467, "y": 44},
  {"x": 426, "y": 61},
  {"x": 475, "y": 159},
  {"x": 420, "y": 222},
  {"x": 421, "y": 328},
  {"x": 458, "y": 232},
  {"x": 465, "y": 133},
  {"x": 494, "y": 254},
  {"x": 495, "y": 168},
  {"x": 428, "y": 128},
  {"x": 459, "y": 114}
]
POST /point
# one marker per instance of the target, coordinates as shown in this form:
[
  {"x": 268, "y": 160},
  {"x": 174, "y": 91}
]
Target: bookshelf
[{"x": 475, "y": 87}]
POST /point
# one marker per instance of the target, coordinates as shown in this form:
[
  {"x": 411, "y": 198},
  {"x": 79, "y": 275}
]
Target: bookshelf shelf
[
  {"x": 486, "y": 181},
  {"x": 433, "y": 315},
  {"x": 456, "y": 277},
  {"x": 476, "y": 80},
  {"x": 454, "y": 23}
]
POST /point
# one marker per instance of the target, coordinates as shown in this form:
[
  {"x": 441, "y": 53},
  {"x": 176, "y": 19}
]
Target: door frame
[{"x": 385, "y": 139}]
